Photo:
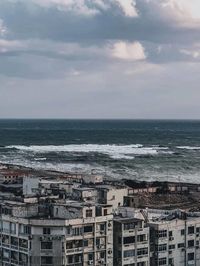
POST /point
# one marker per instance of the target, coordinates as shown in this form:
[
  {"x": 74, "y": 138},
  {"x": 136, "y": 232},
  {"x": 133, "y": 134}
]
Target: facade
[
  {"x": 175, "y": 239},
  {"x": 111, "y": 195},
  {"x": 131, "y": 242},
  {"x": 34, "y": 234}
]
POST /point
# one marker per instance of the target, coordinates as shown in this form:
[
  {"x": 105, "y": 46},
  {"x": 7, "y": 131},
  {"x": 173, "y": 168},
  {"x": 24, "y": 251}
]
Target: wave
[
  {"x": 113, "y": 151},
  {"x": 188, "y": 147}
]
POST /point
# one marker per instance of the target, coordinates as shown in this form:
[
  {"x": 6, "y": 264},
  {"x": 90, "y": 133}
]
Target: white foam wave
[
  {"x": 114, "y": 151},
  {"x": 188, "y": 147}
]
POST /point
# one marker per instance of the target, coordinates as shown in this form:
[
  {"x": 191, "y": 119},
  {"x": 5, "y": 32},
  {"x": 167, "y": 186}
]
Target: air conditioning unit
[
  {"x": 171, "y": 238},
  {"x": 102, "y": 261},
  {"x": 90, "y": 262},
  {"x": 110, "y": 251},
  {"x": 42, "y": 238}
]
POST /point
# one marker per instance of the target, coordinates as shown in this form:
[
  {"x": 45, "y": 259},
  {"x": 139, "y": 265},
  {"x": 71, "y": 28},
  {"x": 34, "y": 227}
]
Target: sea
[{"x": 163, "y": 150}]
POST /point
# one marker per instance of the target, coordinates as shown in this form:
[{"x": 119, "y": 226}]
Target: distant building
[
  {"x": 111, "y": 195},
  {"x": 93, "y": 179}
]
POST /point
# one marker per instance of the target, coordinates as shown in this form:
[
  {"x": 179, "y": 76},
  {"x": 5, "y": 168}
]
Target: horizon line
[{"x": 133, "y": 119}]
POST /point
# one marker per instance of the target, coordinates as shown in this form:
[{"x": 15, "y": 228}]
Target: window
[
  {"x": 181, "y": 245},
  {"x": 141, "y": 263},
  {"x": 142, "y": 251},
  {"x": 105, "y": 212},
  {"x": 191, "y": 243},
  {"x": 190, "y": 256},
  {"x": 46, "y": 260},
  {"x": 77, "y": 258},
  {"x": 88, "y": 229},
  {"x": 102, "y": 227},
  {"x": 191, "y": 230},
  {"x": 141, "y": 238},
  {"x": 102, "y": 255},
  {"x": 70, "y": 259},
  {"x": 161, "y": 233},
  {"x": 162, "y": 247},
  {"x": 129, "y": 253},
  {"x": 77, "y": 231},
  {"x": 90, "y": 256},
  {"x": 46, "y": 245},
  {"x": 46, "y": 231},
  {"x": 88, "y": 213},
  {"x": 162, "y": 261},
  {"x": 98, "y": 241},
  {"x": 129, "y": 226},
  {"x": 182, "y": 232},
  {"x": 198, "y": 229},
  {"x": 129, "y": 240},
  {"x": 23, "y": 243},
  {"x": 171, "y": 261},
  {"x": 170, "y": 233},
  {"x": 171, "y": 247},
  {"x": 85, "y": 242}
]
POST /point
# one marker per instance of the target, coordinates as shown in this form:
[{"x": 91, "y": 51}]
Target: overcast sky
[{"x": 100, "y": 59}]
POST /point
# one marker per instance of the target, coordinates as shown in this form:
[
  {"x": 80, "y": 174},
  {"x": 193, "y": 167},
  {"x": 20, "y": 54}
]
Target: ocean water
[{"x": 135, "y": 149}]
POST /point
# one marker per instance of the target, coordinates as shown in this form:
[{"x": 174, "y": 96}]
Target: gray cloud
[{"x": 133, "y": 58}]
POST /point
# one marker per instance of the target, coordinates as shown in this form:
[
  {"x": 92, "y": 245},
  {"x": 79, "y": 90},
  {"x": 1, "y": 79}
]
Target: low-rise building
[{"x": 111, "y": 195}]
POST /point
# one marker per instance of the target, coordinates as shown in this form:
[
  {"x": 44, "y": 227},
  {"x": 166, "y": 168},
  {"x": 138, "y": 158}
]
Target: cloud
[
  {"x": 128, "y": 51},
  {"x": 9, "y": 45},
  {"x": 195, "y": 54},
  {"x": 2, "y": 28},
  {"x": 185, "y": 13},
  {"x": 84, "y": 7},
  {"x": 128, "y": 7}
]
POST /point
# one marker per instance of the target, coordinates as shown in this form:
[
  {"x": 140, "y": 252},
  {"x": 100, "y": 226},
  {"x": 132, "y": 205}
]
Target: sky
[{"x": 100, "y": 59}]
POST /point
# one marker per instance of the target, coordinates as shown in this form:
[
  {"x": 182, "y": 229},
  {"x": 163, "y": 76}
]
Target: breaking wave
[
  {"x": 113, "y": 151},
  {"x": 188, "y": 147}
]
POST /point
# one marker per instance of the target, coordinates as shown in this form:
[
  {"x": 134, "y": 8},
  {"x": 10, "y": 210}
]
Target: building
[
  {"x": 111, "y": 195},
  {"x": 93, "y": 179},
  {"x": 131, "y": 240},
  {"x": 175, "y": 238},
  {"x": 85, "y": 194},
  {"x": 12, "y": 176},
  {"x": 61, "y": 233}
]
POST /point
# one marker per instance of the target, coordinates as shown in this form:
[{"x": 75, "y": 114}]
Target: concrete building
[
  {"x": 111, "y": 195},
  {"x": 93, "y": 179},
  {"x": 85, "y": 194},
  {"x": 57, "y": 234},
  {"x": 11, "y": 176},
  {"x": 131, "y": 240},
  {"x": 30, "y": 186},
  {"x": 175, "y": 238}
]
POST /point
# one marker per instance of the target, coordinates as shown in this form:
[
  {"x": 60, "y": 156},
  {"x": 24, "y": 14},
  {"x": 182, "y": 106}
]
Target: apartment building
[
  {"x": 131, "y": 240},
  {"x": 175, "y": 238},
  {"x": 55, "y": 234}
]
